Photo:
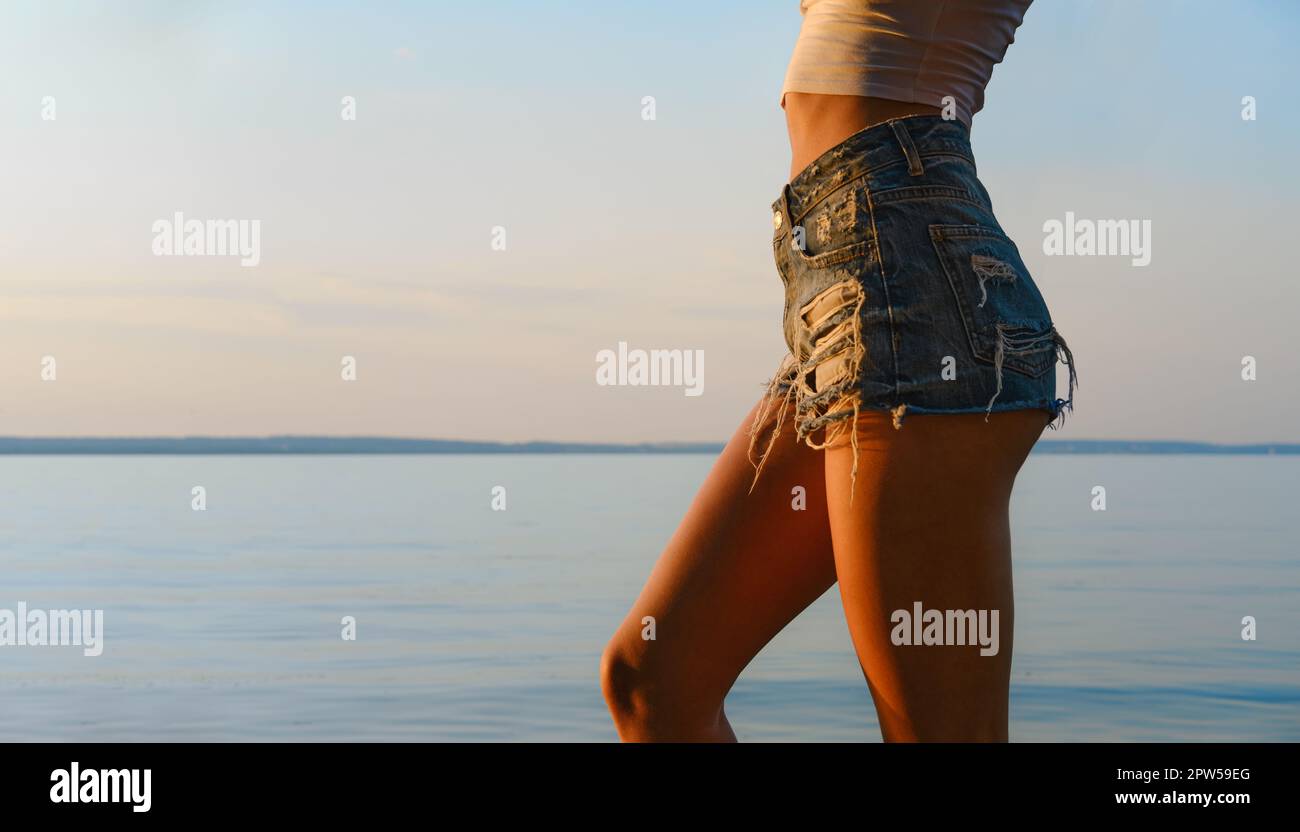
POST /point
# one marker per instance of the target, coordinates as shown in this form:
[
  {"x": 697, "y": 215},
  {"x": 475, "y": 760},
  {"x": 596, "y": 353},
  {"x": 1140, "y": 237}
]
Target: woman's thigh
[
  {"x": 928, "y": 525},
  {"x": 740, "y": 566}
]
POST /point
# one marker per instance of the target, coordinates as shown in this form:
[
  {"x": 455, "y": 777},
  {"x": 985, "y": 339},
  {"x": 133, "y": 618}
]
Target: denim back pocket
[{"x": 1006, "y": 318}]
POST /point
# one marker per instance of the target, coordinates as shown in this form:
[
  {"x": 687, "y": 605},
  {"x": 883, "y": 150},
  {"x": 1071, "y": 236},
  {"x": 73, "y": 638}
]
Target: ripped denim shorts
[{"x": 902, "y": 293}]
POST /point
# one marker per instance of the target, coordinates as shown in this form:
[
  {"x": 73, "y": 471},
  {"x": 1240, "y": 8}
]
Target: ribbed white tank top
[{"x": 937, "y": 52}]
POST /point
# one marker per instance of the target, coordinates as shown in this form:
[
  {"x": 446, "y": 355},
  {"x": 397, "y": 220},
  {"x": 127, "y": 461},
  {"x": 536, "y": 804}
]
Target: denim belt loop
[
  {"x": 784, "y": 221},
  {"x": 909, "y": 150}
]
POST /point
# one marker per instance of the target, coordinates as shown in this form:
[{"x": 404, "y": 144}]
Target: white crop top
[{"x": 918, "y": 51}]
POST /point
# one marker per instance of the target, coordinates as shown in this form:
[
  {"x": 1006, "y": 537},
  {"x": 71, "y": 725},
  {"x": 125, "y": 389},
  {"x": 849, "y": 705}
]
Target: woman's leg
[
  {"x": 929, "y": 523},
  {"x": 740, "y": 566}
]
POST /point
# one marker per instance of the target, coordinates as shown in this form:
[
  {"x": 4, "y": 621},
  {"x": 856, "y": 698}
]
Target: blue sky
[{"x": 376, "y": 232}]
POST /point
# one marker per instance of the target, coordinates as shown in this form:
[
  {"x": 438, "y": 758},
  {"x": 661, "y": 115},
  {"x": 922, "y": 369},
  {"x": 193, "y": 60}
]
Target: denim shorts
[{"x": 902, "y": 292}]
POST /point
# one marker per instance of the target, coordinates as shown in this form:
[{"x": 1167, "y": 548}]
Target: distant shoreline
[{"x": 214, "y": 445}]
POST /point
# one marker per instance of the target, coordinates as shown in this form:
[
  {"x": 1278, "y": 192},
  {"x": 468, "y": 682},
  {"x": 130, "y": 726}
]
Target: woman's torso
[{"x": 861, "y": 62}]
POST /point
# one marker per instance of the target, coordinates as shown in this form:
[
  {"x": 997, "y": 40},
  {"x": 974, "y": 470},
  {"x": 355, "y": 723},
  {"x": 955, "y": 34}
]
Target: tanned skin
[{"x": 928, "y": 522}]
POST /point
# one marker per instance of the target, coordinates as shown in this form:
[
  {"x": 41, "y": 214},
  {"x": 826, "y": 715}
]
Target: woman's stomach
[{"x": 818, "y": 122}]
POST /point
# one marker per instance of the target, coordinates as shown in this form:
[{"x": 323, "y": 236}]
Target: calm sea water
[{"x": 482, "y": 625}]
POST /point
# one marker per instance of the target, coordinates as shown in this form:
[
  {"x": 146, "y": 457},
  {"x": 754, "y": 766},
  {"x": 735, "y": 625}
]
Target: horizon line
[{"x": 363, "y": 444}]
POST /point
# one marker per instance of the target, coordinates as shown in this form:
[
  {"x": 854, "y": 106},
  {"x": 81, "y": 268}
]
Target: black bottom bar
[{"x": 338, "y": 782}]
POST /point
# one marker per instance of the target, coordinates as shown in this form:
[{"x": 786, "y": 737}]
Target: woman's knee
[
  {"x": 645, "y": 698},
  {"x": 619, "y": 680}
]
